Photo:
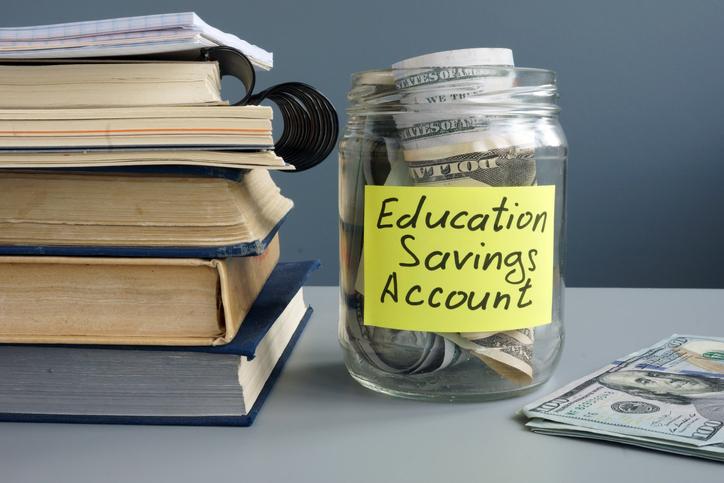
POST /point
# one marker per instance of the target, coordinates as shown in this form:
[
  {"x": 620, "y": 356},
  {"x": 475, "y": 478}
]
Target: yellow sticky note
[{"x": 458, "y": 259}]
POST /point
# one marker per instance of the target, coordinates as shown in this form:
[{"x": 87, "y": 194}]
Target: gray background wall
[{"x": 641, "y": 85}]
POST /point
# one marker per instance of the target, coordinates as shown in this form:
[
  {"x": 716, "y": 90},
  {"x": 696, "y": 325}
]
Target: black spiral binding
[{"x": 311, "y": 125}]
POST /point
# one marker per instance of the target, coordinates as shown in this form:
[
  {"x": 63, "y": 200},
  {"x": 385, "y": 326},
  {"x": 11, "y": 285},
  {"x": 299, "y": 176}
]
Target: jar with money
[{"x": 451, "y": 204}]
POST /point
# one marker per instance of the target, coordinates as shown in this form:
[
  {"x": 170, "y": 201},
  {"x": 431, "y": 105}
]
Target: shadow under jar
[{"x": 497, "y": 129}]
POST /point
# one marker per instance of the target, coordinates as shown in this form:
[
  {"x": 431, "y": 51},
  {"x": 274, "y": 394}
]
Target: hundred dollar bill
[
  {"x": 668, "y": 396},
  {"x": 433, "y": 86},
  {"x": 713, "y": 451},
  {"x": 467, "y": 137},
  {"x": 445, "y": 142},
  {"x": 451, "y": 142},
  {"x": 511, "y": 166},
  {"x": 452, "y": 76},
  {"x": 460, "y": 58}
]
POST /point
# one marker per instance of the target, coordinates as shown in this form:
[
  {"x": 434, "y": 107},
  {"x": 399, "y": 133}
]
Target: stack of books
[{"x": 140, "y": 279}]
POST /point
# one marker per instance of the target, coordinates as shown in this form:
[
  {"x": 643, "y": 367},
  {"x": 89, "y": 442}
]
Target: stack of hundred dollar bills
[{"x": 668, "y": 397}]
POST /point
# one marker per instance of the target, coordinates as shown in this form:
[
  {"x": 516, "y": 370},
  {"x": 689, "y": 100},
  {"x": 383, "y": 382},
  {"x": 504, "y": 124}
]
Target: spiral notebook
[
  {"x": 310, "y": 121},
  {"x": 148, "y": 34}
]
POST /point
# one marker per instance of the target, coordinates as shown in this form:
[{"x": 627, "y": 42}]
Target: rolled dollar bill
[
  {"x": 436, "y": 126},
  {"x": 452, "y": 76},
  {"x": 508, "y": 353},
  {"x": 400, "y": 352}
]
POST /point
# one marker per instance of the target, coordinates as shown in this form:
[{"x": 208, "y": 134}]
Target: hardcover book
[
  {"x": 224, "y": 385},
  {"x": 47, "y": 212},
  {"x": 145, "y": 301}
]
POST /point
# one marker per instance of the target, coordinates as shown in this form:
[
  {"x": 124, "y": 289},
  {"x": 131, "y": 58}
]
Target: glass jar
[{"x": 496, "y": 128}]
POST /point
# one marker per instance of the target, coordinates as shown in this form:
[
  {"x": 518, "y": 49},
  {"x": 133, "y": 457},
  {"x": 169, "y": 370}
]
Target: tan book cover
[
  {"x": 141, "y": 301},
  {"x": 42, "y": 208},
  {"x": 109, "y": 84}
]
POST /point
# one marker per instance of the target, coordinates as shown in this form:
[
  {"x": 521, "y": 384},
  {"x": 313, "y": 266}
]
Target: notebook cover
[
  {"x": 284, "y": 283},
  {"x": 149, "y": 35}
]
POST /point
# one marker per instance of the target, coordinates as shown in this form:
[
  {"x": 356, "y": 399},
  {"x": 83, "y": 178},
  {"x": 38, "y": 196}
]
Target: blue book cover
[
  {"x": 231, "y": 174},
  {"x": 284, "y": 283}
]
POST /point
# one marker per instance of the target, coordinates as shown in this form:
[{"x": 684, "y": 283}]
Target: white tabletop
[{"x": 319, "y": 425}]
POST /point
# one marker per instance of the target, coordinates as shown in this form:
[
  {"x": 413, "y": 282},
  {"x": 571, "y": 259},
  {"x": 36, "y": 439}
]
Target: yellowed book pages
[
  {"x": 79, "y": 85},
  {"x": 64, "y": 209},
  {"x": 136, "y": 127},
  {"x": 76, "y": 300},
  {"x": 162, "y": 112}
]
